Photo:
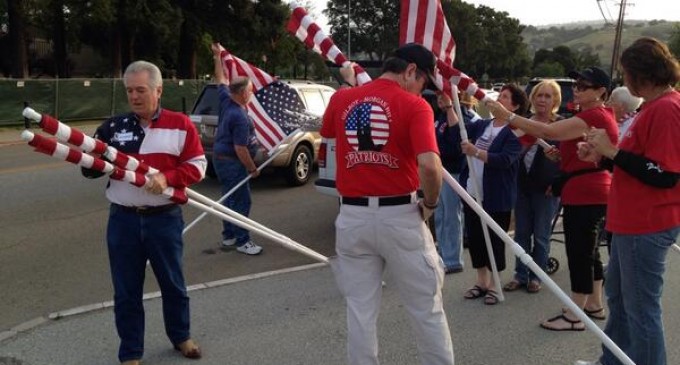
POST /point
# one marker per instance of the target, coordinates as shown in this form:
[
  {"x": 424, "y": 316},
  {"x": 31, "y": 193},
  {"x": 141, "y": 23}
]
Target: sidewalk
[{"x": 298, "y": 317}]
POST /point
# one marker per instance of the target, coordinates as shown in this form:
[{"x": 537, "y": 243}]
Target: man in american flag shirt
[
  {"x": 386, "y": 149},
  {"x": 143, "y": 224}
]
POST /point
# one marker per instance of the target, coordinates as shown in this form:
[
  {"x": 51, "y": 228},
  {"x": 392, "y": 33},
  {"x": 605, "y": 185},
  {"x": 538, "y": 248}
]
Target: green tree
[
  {"x": 374, "y": 26},
  {"x": 674, "y": 42},
  {"x": 16, "y": 21},
  {"x": 549, "y": 69}
]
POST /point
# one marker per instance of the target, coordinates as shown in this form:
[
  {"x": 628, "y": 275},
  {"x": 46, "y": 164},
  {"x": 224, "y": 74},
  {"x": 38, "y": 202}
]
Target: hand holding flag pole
[
  {"x": 292, "y": 138},
  {"x": 66, "y": 153}
]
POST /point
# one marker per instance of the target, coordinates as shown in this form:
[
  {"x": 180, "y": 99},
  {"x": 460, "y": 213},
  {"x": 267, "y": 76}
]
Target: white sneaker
[
  {"x": 583, "y": 362},
  {"x": 228, "y": 243},
  {"x": 249, "y": 248}
]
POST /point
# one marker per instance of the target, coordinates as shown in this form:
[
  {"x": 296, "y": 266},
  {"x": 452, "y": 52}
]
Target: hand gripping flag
[
  {"x": 276, "y": 109},
  {"x": 303, "y": 27}
]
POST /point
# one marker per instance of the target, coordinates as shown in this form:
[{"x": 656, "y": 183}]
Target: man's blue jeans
[
  {"x": 633, "y": 287},
  {"x": 448, "y": 225},
  {"x": 230, "y": 173},
  {"x": 534, "y": 213},
  {"x": 133, "y": 239}
]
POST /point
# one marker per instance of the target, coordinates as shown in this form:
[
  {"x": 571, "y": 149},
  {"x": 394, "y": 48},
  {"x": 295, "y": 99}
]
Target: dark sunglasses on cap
[{"x": 583, "y": 86}]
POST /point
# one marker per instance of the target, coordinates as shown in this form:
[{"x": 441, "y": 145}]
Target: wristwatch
[{"x": 478, "y": 152}]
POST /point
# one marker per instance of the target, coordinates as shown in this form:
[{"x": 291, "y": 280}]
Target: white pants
[{"x": 370, "y": 239}]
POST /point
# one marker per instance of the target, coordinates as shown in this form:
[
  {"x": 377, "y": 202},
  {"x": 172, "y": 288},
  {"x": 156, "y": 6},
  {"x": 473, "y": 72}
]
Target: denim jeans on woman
[
  {"x": 633, "y": 287},
  {"x": 534, "y": 213},
  {"x": 448, "y": 226},
  {"x": 230, "y": 173}
]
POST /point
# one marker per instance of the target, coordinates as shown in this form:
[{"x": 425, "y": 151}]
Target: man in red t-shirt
[{"x": 386, "y": 149}]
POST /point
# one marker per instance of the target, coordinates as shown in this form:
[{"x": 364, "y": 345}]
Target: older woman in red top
[
  {"x": 584, "y": 196},
  {"x": 644, "y": 203}
]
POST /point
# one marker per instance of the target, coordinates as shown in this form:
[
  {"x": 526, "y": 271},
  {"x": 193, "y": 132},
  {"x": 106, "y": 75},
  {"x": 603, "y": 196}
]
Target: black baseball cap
[
  {"x": 421, "y": 56},
  {"x": 595, "y": 75}
]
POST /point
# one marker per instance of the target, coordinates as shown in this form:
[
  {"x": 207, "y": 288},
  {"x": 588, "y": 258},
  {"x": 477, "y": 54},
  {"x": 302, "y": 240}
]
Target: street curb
[{"x": 54, "y": 316}]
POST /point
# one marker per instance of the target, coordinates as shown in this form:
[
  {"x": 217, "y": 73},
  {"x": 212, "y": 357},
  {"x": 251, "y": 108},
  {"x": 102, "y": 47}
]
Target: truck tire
[{"x": 300, "y": 167}]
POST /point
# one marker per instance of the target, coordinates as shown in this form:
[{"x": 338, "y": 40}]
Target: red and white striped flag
[
  {"x": 276, "y": 108},
  {"x": 423, "y": 22},
  {"x": 303, "y": 27}
]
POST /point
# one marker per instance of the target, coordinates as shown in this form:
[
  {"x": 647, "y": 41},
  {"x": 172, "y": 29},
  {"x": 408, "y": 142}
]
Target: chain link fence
[{"x": 84, "y": 99}]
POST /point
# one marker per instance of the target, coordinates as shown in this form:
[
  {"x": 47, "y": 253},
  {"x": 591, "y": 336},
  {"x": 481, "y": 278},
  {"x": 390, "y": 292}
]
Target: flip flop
[
  {"x": 512, "y": 286},
  {"x": 572, "y": 324},
  {"x": 475, "y": 292}
]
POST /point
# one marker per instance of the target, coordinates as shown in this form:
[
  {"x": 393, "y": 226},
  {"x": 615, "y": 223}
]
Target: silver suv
[{"x": 297, "y": 159}]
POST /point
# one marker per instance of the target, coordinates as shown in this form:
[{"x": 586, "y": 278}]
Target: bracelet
[
  {"x": 511, "y": 117},
  {"x": 447, "y": 107},
  {"x": 430, "y": 206},
  {"x": 477, "y": 153}
]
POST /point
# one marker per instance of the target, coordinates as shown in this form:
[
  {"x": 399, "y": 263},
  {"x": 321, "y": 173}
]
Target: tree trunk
[
  {"x": 17, "y": 33},
  {"x": 59, "y": 39},
  {"x": 186, "y": 59}
]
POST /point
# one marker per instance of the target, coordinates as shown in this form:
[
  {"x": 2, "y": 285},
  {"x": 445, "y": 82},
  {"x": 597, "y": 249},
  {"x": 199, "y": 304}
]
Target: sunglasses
[{"x": 582, "y": 86}]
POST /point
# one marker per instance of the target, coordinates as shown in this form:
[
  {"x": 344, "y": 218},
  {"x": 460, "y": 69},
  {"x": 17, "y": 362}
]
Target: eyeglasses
[{"x": 582, "y": 86}]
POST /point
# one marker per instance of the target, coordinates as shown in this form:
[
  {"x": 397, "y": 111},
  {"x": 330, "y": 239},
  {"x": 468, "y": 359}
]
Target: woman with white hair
[{"x": 625, "y": 107}]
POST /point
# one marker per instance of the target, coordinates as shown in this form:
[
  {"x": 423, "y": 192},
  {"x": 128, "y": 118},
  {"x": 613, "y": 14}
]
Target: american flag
[
  {"x": 276, "y": 109},
  {"x": 367, "y": 127},
  {"x": 302, "y": 26},
  {"x": 423, "y": 22}
]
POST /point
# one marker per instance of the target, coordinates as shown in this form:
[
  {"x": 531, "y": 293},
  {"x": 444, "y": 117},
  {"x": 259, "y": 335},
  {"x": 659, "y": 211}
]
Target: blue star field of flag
[{"x": 284, "y": 106}]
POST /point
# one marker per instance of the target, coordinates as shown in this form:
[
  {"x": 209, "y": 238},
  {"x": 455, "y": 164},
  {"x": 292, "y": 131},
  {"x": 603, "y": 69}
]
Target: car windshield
[{"x": 208, "y": 102}]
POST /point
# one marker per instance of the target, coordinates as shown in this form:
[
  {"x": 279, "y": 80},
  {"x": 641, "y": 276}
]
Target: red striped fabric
[
  {"x": 303, "y": 27},
  {"x": 423, "y": 22},
  {"x": 268, "y": 132}
]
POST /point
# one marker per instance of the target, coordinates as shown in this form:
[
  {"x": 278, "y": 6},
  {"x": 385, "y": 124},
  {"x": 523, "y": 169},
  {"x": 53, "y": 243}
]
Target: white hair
[
  {"x": 623, "y": 96},
  {"x": 155, "y": 77}
]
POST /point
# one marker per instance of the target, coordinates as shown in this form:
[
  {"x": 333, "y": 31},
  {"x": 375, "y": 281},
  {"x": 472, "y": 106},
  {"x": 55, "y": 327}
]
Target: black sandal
[
  {"x": 597, "y": 314},
  {"x": 491, "y": 297},
  {"x": 475, "y": 292},
  {"x": 572, "y": 324}
]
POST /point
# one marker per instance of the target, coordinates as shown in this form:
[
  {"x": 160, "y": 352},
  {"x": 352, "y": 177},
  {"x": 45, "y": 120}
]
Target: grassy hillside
[{"x": 597, "y": 38}]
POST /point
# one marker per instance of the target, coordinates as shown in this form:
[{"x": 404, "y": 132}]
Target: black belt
[
  {"x": 147, "y": 210},
  {"x": 384, "y": 201}
]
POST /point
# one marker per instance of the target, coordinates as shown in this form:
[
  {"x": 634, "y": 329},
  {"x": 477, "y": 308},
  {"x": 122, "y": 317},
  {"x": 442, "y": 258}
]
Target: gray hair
[
  {"x": 239, "y": 84},
  {"x": 623, "y": 96},
  {"x": 155, "y": 77}
]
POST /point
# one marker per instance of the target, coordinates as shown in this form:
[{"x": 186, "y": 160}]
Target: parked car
[
  {"x": 566, "y": 87},
  {"x": 298, "y": 158}
]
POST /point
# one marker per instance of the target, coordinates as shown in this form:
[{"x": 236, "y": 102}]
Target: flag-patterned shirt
[{"x": 170, "y": 144}]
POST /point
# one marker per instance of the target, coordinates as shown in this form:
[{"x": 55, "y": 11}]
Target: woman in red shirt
[
  {"x": 644, "y": 203},
  {"x": 584, "y": 196}
]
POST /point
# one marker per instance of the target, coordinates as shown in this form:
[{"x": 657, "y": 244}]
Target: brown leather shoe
[
  {"x": 189, "y": 349},
  {"x": 130, "y": 362}
]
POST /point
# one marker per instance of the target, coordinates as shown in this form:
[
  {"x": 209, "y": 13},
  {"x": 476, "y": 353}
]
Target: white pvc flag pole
[
  {"x": 221, "y": 208},
  {"x": 676, "y": 247},
  {"x": 529, "y": 262},
  {"x": 478, "y": 194},
  {"x": 294, "y": 136},
  {"x": 282, "y": 240}
]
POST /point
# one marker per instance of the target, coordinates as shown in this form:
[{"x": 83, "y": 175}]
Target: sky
[{"x": 542, "y": 12}]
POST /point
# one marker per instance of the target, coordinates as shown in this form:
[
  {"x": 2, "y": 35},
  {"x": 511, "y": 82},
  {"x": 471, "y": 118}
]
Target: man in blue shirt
[{"x": 233, "y": 151}]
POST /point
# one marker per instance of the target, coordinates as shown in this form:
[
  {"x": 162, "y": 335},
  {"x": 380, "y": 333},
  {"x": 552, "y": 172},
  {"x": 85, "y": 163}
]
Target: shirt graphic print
[{"x": 367, "y": 127}]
